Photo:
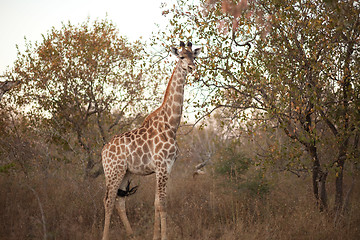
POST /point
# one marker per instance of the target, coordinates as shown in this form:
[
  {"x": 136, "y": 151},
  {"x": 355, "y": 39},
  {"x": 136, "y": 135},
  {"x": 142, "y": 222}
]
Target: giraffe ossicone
[{"x": 149, "y": 149}]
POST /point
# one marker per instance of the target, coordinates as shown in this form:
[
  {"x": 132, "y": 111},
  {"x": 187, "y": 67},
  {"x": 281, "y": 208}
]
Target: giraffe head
[{"x": 186, "y": 56}]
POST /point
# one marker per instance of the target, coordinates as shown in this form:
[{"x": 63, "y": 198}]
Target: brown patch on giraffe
[
  {"x": 140, "y": 141},
  {"x": 139, "y": 151},
  {"x": 170, "y": 134},
  {"x": 177, "y": 109},
  {"x": 146, "y": 148},
  {"x": 132, "y": 146},
  {"x": 152, "y": 132},
  {"x": 136, "y": 159},
  {"x": 121, "y": 157},
  {"x": 144, "y": 137},
  {"x": 158, "y": 147},
  {"x": 150, "y": 145},
  {"x": 142, "y": 131},
  {"x": 172, "y": 149},
  {"x": 172, "y": 121},
  {"x": 164, "y": 152},
  {"x": 171, "y": 155},
  {"x": 145, "y": 159},
  {"x": 167, "y": 126},
  {"x": 179, "y": 88},
  {"x": 156, "y": 140},
  {"x": 163, "y": 166},
  {"x": 161, "y": 154},
  {"x": 178, "y": 98},
  {"x": 163, "y": 137},
  {"x": 171, "y": 98},
  {"x": 169, "y": 111}
]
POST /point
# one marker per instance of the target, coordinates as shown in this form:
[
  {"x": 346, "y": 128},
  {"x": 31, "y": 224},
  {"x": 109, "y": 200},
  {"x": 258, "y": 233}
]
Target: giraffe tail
[{"x": 128, "y": 191}]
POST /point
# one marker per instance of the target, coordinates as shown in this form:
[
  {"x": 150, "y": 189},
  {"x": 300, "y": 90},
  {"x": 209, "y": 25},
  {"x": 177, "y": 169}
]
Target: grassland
[{"x": 59, "y": 204}]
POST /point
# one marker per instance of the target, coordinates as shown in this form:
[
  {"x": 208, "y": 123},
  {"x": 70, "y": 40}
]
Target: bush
[
  {"x": 232, "y": 163},
  {"x": 255, "y": 186}
]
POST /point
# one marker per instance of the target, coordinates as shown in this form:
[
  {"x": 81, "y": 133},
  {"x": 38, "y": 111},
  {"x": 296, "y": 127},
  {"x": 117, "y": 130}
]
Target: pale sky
[{"x": 31, "y": 18}]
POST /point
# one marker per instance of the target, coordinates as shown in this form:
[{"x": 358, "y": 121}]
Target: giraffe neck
[
  {"x": 174, "y": 97},
  {"x": 170, "y": 110}
]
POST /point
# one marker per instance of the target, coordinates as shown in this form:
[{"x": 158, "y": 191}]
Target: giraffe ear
[
  {"x": 175, "y": 51},
  {"x": 197, "y": 52}
]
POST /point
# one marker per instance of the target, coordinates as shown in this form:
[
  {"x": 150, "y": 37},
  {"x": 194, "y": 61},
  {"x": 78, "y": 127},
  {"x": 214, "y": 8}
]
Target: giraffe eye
[{"x": 182, "y": 57}]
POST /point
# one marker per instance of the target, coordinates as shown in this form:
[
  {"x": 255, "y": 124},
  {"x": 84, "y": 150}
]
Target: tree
[
  {"x": 81, "y": 82},
  {"x": 292, "y": 66}
]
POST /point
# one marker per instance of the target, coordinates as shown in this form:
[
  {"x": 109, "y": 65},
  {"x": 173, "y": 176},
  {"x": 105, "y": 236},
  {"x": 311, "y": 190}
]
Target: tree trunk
[
  {"x": 344, "y": 138},
  {"x": 339, "y": 181},
  {"x": 323, "y": 194},
  {"x": 90, "y": 161},
  {"x": 318, "y": 180}
]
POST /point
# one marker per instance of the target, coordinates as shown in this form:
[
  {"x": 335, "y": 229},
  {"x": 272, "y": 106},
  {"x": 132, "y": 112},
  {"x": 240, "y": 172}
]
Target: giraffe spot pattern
[{"x": 150, "y": 148}]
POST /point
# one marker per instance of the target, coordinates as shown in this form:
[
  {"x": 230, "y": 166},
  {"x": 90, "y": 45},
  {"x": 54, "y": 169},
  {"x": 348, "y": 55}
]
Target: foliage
[
  {"x": 82, "y": 82},
  {"x": 232, "y": 162},
  {"x": 291, "y": 65},
  {"x": 256, "y": 186},
  {"x": 18, "y": 146}
]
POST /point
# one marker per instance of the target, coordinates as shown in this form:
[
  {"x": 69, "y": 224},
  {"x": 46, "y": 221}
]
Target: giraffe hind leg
[{"x": 120, "y": 202}]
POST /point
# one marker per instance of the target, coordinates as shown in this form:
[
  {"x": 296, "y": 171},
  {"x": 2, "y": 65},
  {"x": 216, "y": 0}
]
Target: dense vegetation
[{"x": 274, "y": 153}]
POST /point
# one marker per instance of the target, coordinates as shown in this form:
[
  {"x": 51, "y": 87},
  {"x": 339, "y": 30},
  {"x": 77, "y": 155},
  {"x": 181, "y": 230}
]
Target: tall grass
[{"x": 205, "y": 207}]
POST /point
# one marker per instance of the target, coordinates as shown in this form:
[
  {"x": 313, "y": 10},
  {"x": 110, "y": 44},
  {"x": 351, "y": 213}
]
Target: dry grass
[{"x": 200, "y": 208}]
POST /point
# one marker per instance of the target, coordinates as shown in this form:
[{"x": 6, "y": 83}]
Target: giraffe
[{"x": 149, "y": 149}]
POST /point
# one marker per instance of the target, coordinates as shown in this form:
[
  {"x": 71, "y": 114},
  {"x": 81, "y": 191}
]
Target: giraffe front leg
[{"x": 160, "y": 206}]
